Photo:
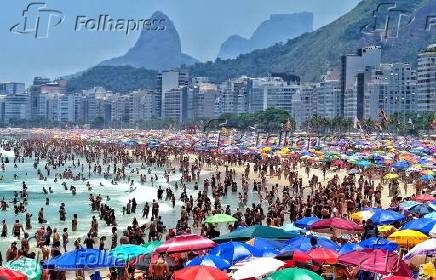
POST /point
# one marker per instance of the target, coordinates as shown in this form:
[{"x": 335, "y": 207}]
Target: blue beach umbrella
[
  {"x": 306, "y": 222},
  {"x": 408, "y": 204},
  {"x": 402, "y": 164},
  {"x": 209, "y": 260},
  {"x": 83, "y": 259},
  {"x": 303, "y": 243},
  {"x": 426, "y": 177},
  {"x": 421, "y": 209},
  {"x": 386, "y": 217},
  {"x": 423, "y": 225},
  {"x": 234, "y": 252},
  {"x": 292, "y": 228},
  {"x": 363, "y": 163},
  {"x": 378, "y": 243},
  {"x": 348, "y": 247}
]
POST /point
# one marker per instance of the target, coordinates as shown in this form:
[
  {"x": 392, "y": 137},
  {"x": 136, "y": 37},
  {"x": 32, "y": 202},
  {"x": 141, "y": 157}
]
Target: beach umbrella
[
  {"x": 30, "y": 267},
  {"x": 353, "y": 171},
  {"x": 9, "y": 274},
  {"x": 292, "y": 228},
  {"x": 234, "y": 251},
  {"x": 376, "y": 260},
  {"x": 408, "y": 204},
  {"x": 260, "y": 243},
  {"x": 424, "y": 249},
  {"x": 391, "y": 176},
  {"x": 378, "y": 243},
  {"x": 200, "y": 273},
  {"x": 303, "y": 243},
  {"x": 408, "y": 238},
  {"x": 386, "y": 217},
  {"x": 220, "y": 219},
  {"x": 152, "y": 246},
  {"x": 126, "y": 252},
  {"x": 294, "y": 274},
  {"x": 402, "y": 164},
  {"x": 336, "y": 223},
  {"x": 247, "y": 233},
  {"x": 431, "y": 216},
  {"x": 184, "y": 243},
  {"x": 295, "y": 256},
  {"x": 394, "y": 277},
  {"x": 83, "y": 259},
  {"x": 348, "y": 247},
  {"x": 424, "y": 225},
  {"x": 323, "y": 255},
  {"x": 306, "y": 222},
  {"x": 257, "y": 268},
  {"x": 426, "y": 177},
  {"x": 425, "y": 198},
  {"x": 209, "y": 260},
  {"x": 363, "y": 163},
  {"x": 362, "y": 215}
]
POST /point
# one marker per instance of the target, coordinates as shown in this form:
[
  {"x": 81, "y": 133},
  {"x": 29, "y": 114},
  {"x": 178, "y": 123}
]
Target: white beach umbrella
[{"x": 257, "y": 268}]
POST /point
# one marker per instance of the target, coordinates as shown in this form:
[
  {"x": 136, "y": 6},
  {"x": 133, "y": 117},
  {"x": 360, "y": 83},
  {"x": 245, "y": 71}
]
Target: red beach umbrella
[
  {"x": 323, "y": 255},
  {"x": 397, "y": 278},
  {"x": 425, "y": 198},
  {"x": 9, "y": 274},
  {"x": 336, "y": 223},
  {"x": 200, "y": 272},
  {"x": 187, "y": 242},
  {"x": 376, "y": 260}
]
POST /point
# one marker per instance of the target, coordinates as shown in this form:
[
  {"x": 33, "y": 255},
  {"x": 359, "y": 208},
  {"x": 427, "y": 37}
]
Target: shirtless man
[{"x": 16, "y": 229}]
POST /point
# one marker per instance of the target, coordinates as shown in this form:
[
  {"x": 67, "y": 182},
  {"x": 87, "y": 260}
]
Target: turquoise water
[{"x": 79, "y": 204}]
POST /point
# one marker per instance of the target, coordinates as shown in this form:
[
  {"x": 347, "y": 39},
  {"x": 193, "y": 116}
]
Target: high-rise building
[
  {"x": 271, "y": 92},
  {"x": 234, "y": 96},
  {"x": 17, "y": 107},
  {"x": 304, "y": 103},
  {"x": 204, "y": 96},
  {"x": 392, "y": 87},
  {"x": 177, "y": 104},
  {"x": 329, "y": 96},
  {"x": 353, "y": 67},
  {"x": 11, "y": 88},
  {"x": 426, "y": 80},
  {"x": 168, "y": 81}
]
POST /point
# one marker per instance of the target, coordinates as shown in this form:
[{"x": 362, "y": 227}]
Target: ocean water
[{"x": 79, "y": 203}]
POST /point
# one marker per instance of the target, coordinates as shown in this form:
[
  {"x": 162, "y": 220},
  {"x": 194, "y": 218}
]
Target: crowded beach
[{"x": 225, "y": 204}]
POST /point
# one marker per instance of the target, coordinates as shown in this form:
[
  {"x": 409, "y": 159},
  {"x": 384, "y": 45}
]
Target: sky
[{"x": 203, "y": 26}]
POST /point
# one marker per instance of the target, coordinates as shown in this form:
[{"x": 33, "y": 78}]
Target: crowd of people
[{"x": 270, "y": 191}]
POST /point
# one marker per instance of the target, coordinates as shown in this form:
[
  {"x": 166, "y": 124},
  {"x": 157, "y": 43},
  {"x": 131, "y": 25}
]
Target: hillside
[
  {"x": 113, "y": 78},
  {"x": 311, "y": 54}
]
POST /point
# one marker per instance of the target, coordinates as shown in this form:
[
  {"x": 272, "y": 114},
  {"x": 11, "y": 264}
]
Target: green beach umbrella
[
  {"x": 27, "y": 266},
  {"x": 248, "y": 233},
  {"x": 152, "y": 246},
  {"x": 294, "y": 274},
  {"x": 126, "y": 252},
  {"x": 220, "y": 219}
]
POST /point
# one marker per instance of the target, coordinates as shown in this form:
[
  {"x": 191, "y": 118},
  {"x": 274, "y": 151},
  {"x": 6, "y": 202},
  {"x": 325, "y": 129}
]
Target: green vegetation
[
  {"x": 113, "y": 78},
  {"x": 269, "y": 120}
]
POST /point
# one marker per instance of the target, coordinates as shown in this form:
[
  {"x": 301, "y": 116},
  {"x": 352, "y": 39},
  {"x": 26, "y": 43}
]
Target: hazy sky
[{"x": 202, "y": 24}]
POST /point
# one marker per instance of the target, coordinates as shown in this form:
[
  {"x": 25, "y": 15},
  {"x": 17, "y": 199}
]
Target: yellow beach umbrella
[
  {"x": 408, "y": 238},
  {"x": 391, "y": 176},
  {"x": 384, "y": 229},
  {"x": 362, "y": 215}
]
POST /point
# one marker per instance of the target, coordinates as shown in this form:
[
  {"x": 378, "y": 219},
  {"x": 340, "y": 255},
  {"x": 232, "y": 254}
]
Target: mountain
[
  {"x": 278, "y": 28},
  {"x": 312, "y": 54},
  {"x": 155, "y": 49}
]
